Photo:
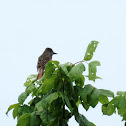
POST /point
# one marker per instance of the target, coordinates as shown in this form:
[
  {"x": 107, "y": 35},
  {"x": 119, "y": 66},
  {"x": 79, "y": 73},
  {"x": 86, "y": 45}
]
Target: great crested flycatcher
[{"x": 43, "y": 60}]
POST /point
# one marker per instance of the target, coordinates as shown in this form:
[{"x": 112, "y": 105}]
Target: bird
[{"x": 43, "y": 60}]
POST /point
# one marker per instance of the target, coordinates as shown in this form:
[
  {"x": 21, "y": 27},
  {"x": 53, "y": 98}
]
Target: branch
[{"x": 80, "y": 62}]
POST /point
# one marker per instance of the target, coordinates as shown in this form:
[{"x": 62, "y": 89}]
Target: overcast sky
[{"x": 27, "y": 27}]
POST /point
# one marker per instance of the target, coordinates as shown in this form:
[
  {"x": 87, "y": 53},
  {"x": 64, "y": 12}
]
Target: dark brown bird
[{"x": 43, "y": 60}]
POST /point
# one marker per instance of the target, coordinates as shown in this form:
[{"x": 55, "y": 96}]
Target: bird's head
[{"x": 50, "y": 51}]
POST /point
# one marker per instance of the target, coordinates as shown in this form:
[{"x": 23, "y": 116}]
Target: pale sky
[{"x": 27, "y": 27}]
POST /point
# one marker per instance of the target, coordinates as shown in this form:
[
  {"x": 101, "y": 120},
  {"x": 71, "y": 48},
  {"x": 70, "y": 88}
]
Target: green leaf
[
  {"x": 49, "y": 69},
  {"x": 46, "y": 117},
  {"x": 99, "y": 95},
  {"x": 39, "y": 105},
  {"x": 92, "y": 124},
  {"x": 93, "y": 70},
  {"x": 68, "y": 87},
  {"x": 57, "y": 108},
  {"x": 124, "y": 117},
  {"x": 103, "y": 99},
  {"x": 84, "y": 93},
  {"x": 15, "y": 112},
  {"x": 78, "y": 102},
  {"x": 83, "y": 121},
  {"x": 119, "y": 102},
  {"x": 121, "y": 111},
  {"x": 22, "y": 97},
  {"x": 49, "y": 84},
  {"x": 55, "y": 62},
  {"x": 34, "y": 101},
  {"x": 65, "y": 98},
  {"x": 54, "y": 122},
  {"x": 107, "y": 93},
  {"x": 34, "y": 120},
  {"x": 46, "y": 102},
  {"x": 12, "y": 107},
  {"x": 30, "y": 88},
  {"x": 68, "y": 65},
  {"x": 63, "y": 122},
  {"x": 30, "y": 80},
  {"x": 108, "y": 109},
  {"x": 76, "y": 71},
  {"x": 50, "y": 98},
  {"x": 93, "y": 98},
  {"x": 80, "y": 81},
  {"x": 24, "y": 109},
  {"x": 63, "y": 70},
  {"x": 90, "y": 49},
  {"x": 122, "y": 93},
  {"x": 24, "y": 120}
]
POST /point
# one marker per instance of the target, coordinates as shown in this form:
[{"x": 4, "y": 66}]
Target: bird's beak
[{"x": 54, "y": 53}]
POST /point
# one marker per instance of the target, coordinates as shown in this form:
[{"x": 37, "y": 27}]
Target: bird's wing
[{"x": 42, "y": 61}]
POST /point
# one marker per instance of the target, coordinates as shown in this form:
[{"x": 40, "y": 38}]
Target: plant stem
[{"x": 80, "y": 62}]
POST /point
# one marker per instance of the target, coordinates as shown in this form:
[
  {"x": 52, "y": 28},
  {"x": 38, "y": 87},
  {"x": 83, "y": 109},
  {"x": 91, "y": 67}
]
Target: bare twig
[{"x": 80, "y": 62}]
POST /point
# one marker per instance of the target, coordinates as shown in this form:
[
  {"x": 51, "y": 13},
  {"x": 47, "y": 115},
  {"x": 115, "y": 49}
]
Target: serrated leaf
[
  {"x": 90, "y": 50},
  {"x": 12, "y": 107},
  {"x": 76, "y": 71},
  {"x": 22, "y": 97},
  {"x": 24, "y": 120},
  {"x": 108, "y": 109},
  {"x": 80, "y": 81},
  {"x": 92, "y": 70}
]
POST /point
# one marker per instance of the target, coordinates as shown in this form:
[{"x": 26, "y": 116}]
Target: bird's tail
[{"x": 40, "y": 74}]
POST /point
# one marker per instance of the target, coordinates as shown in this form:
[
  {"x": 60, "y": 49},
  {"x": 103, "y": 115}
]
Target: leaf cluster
[{"x": 58, "y": 94}]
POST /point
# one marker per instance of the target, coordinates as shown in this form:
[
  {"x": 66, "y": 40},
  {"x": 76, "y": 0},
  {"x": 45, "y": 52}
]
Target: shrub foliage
[{"x": 58, "y": 94}]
